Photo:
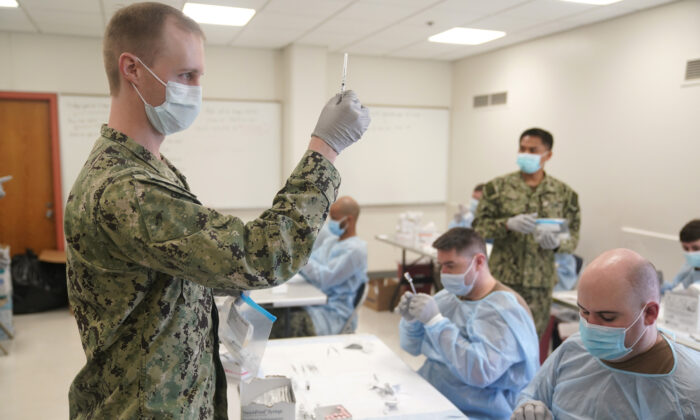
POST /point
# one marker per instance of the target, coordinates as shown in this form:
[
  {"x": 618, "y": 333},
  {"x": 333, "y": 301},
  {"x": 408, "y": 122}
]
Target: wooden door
[{"x": 28, "y": 212}]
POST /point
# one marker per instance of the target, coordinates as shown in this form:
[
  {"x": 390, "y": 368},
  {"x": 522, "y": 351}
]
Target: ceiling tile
[
  {"x": 503, "y": 22},
  {"x": 80, "y": 23},
  {"x": 385, "y": 12},
  {"x": 220, "y": 35},
  {"x": 248, "y": 4},
  {"x": 61, "y": 5},
  {"x": 111, "y": 6},
  {"x": 337, "y": 33},
  {"x": 477, "y": 7},
  {"x": 424, "y": 49},
  {"x": 266, "y": 39},
  {"x": 15, "y": 20},
  {"x": 318, "y": 8},
  {"x": 274, "y": 20},
  {"x": 547, "y": 10}
]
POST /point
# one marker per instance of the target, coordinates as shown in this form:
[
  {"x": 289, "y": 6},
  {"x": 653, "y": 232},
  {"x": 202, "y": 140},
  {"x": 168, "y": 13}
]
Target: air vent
[
  {"x": 481, "y": 101},
  {"x": 499, "y": 98},
  {"x": 491, "y": 99},
  {"x": 692, "y": 70}
]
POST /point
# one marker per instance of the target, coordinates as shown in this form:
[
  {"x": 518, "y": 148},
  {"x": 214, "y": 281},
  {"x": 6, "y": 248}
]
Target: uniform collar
[{"x": 162, "y": 167}]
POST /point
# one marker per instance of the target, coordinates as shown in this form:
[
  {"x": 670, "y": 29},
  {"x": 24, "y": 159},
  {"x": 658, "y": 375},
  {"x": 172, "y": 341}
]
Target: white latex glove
[
  {"x": 423, "y": 308},
  {"x": 523, "y": 223},
  {"x": 531, "y": 410},
  {"x": 547, "y": 240},
  {"x": 342, "y": 121},
  {"x": 462, "y": 211},
  {"x": 404, "y": 304}
]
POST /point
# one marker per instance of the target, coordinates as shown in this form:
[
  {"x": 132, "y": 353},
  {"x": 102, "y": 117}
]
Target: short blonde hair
[{"x": 138, "y": 29}]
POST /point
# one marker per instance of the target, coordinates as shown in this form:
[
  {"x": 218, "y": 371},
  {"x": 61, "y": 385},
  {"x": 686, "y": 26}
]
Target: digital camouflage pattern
[
  {"x": 143, "y": 255},
  {"x": 300, "y": 323},
  {"x": 516, "y": 258}
]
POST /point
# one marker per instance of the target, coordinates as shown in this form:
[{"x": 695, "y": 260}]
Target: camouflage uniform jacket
[
  {"x": 143, "y": 255},
  {"x": 516, "y": 259}
]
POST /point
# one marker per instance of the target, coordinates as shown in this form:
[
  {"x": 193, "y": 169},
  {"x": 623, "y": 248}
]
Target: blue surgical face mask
[
  {"x": 454, "y": 283},
  {"x": 529, "y": 162},
  {"x": 607, "y": 343},
  {"x": 693, "y": 258},
  {"x": 334, "y": 227},
  {"x": 181, "y": 106},
  {"x": 473, "y": 204}
]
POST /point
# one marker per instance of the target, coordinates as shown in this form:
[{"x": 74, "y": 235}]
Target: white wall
[
  {"x": 395, "y": 82},
  {"x": 625, "y": 131}
]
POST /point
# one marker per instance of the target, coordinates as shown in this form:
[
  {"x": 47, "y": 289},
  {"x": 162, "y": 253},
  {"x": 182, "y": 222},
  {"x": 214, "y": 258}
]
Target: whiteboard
[
  {"x": 401, "y": 159},
  {"x": 231, "y": 155}
]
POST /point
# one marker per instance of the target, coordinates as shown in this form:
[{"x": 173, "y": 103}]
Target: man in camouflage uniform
[
  {"x": 143, "y": 253},
  {"x": 522, "y": 258}
]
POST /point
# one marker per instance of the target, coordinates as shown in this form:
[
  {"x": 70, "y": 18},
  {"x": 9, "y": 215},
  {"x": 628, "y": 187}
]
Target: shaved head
[
  {"x": 617, "y": 289},
  {"x": 346, "y": 206},
  {"x": 626, "y": 270}
]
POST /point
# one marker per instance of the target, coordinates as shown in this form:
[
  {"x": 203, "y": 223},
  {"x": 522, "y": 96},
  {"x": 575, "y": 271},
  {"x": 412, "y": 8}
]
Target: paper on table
[{"x": 280, "y": 290}]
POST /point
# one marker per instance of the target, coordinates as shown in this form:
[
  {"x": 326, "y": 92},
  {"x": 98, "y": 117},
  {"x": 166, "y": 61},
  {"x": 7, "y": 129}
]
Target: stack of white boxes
[{"x": 6, "y": 328}]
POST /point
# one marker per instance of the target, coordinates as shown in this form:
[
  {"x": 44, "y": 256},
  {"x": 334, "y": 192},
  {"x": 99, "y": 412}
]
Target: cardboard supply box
[
  {"x": 256, "y": 388},
  {"x": 380, "y": 293},
  {"x": 682, "y": 311}
]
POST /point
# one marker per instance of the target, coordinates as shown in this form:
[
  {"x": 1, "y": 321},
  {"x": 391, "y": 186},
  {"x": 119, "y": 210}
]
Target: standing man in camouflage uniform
[
  {"x": 521, "y": 258},
  {"x": 143, "y": 253}
]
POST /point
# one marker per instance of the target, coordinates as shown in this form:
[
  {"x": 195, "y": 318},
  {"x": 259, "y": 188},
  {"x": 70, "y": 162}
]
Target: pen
[{"x": 345, "y": 73}]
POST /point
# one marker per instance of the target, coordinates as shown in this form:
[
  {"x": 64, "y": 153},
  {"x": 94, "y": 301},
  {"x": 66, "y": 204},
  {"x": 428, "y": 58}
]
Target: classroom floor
[{"x": 46, "y": 354}]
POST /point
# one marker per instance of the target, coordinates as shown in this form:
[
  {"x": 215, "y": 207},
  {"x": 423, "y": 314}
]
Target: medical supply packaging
[
  {"x": 270, "y": 398},
  {"x": 244, "y": 330}
]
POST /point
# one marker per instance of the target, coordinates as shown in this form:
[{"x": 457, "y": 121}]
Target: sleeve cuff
[
  {"x": 435, "y": 320},
  {"x": 315, "y": 168}
]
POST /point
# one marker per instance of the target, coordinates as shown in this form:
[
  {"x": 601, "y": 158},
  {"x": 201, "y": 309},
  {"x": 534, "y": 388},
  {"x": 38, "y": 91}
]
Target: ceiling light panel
[
  {"x": 466, "y": 36},
  {"x": 218, "y": 15}
]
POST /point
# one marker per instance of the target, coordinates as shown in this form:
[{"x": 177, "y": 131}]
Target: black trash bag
[{"x": 37, "y": 286}]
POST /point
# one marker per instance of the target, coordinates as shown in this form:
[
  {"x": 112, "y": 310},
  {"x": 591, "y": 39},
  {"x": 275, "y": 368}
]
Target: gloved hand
[
  {"x": 423, "y": 308},
  {"x": 523, "y": 223},
  {"x": 547, "y": 240},
  {"x": 342, "y": 121},
  {"x": 403, "y": 306},
  {"x": 531, "y": 410},
  {"x": 462, "y": 211}
]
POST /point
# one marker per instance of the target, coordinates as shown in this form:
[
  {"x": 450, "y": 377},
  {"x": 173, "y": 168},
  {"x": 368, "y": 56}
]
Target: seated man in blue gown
[
  {"x": 478, "y": 335},
  {"x": 618, "y": 366},
  {"x": 690, "y": 272},
  {"x": 337, "y": 266}
]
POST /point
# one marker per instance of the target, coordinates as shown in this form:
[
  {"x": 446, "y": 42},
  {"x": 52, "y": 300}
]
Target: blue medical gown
[
  {"x": 480, "y": 356},
  {"x": 465, "y": 221},
  {"x": 687, "y": 276},
  {"x": 576, "y": 385},
  {"x": 338, "y": 268},
  {"x": 566, "y": 271}
]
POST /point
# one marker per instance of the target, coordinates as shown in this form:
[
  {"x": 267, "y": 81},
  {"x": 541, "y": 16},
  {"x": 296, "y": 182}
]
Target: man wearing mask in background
[
  {"x": 523, "y": 258},
  {"x": 143, "y": 253},
  {"x": 618, "y": 366},
  {"x": 465, "y": 215},
  {"x": 337, "y": 266},
  {"x": 690, "y": 272},
  {"x": 477, "y": 334}
]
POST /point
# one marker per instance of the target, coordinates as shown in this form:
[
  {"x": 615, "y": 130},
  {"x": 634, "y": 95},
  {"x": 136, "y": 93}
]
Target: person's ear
[
  {"x": 480, "y": 261},
  {"x": 128, "y": 67},
  {"x": 546, "y": 156},
  {"x": 651, "y": 313}
]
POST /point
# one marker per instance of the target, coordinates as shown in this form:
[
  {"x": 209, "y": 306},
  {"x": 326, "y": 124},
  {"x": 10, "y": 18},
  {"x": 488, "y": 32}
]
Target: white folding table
[{"x": 324, "y": 371}]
